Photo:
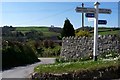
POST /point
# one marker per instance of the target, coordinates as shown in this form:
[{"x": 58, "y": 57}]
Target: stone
[
  {"x": 35, "y": 75},
  {"x": 81, "y": 46},
  {"x": 63, "y": 38}
]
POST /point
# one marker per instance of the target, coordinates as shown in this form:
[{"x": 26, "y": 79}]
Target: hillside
[
  {"x": 102, "y": 30},
  {"x": 47, "y": 31}
]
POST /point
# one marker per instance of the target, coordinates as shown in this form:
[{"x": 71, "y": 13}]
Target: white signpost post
[
  {"x": 96, "y": 11},
  {"x": 95, "y": 47}
]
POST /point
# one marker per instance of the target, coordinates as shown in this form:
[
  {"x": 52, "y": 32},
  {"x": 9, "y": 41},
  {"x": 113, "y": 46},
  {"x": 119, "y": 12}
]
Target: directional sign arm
[
  {"x": 85, "y": 10},
  {"x": 92, "y": 10},
  {"x": 105, "y": 11},
  {"x": 102, "y": 22},
  {"x": 90, "y": 15}
]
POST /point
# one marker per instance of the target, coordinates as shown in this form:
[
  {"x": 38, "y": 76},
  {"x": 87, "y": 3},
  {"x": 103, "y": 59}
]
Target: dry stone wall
[{"x": 76, "y": 47}]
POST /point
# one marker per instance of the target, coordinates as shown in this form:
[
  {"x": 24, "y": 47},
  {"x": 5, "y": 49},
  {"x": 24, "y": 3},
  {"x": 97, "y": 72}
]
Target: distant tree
[
  {"x": 46, "y": 43},
  {"x": 68, "y": 29},
  {"x": 11, "y": 27},
  {"x": 7, "y": 30},
  {"x": 19, "y": 34},
  {"x": 51, "y": 44},
  {"x": 33, "y": 34}
]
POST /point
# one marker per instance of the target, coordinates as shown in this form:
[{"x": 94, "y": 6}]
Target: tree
[
  {"x": 68, "y": 29},
  {"x": 33, "y": 34}
]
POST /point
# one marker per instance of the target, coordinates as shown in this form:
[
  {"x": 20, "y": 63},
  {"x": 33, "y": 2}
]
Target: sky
[{"x": 53, "y": 13}]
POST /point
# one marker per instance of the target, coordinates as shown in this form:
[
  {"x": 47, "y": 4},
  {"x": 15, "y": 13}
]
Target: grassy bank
[{"x": 75, "y": 66}]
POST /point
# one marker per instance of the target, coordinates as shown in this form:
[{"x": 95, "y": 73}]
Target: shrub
[
  {"x": 34, "y": 35},
  {"x": 82, "y": 33},
  {"x": 48, "y": 44},
  {"x": 45, "y": 43},
  {"x": 16, "y": 54},
  {"x": 46, "y": 48},
  {"x": 51, "y": 44},
  {"x": 36, "y": 46},
  {"x": 59, "y": 37},
  {"x": 108, "y": 55},
  {"x": 40, "y": 52},
  {"x": 49, "y": 52}
]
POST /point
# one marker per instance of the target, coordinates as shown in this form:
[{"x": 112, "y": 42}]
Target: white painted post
[{"x": 96, "y": 4}]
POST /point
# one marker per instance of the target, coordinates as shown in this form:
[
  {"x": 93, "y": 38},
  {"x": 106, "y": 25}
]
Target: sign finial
[
  {"x": 96, "y": 3},
  {"x": 82, "y": 4}
]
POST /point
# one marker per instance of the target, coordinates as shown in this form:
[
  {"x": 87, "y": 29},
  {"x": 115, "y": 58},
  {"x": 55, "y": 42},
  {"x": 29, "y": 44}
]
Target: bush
[
  {"x": 48, "y": 44},
  {"x": 59, "y": 37},
  {"x": 16, "y": 53},
  {"x": 45, "y": 43},
  {"x": 36, "y": 46},
  {"x": 108, "y": 55},
  {"x": 82, "y": 33},
  {"x": 46, "y": 48},
  {"x": 50, "y": 52},
  {"x": 51, "y": 44},
  {"x": 34, "y": 35}
]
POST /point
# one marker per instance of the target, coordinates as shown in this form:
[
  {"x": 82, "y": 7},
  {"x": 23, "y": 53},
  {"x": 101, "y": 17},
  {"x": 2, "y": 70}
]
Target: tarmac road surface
[{"x": 25, "y": 71}]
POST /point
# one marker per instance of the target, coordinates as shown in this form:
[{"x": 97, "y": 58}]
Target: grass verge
[{"x": 75, "y": 66}]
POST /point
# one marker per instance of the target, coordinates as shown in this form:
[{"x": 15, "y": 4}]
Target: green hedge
[{"x": 16, "y": 54}]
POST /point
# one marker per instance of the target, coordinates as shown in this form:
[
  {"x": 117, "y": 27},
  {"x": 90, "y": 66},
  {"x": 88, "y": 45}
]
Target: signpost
[
  {"x": 93, "y": 12},
  {"x": 85, "y": 10}
]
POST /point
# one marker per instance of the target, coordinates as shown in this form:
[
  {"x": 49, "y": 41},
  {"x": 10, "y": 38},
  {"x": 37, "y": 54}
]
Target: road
[{"x": 25, "y": 71}]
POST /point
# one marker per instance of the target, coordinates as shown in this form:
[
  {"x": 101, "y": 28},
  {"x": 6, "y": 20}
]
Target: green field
[
  {"x": 43, "y": 29},
  {"x": 47, "y": 33},
  {"x": 107, "y": 31}
]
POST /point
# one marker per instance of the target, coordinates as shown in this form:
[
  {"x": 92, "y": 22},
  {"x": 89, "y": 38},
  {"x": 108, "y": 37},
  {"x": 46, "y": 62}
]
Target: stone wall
[{"x": 76, "y": 47}]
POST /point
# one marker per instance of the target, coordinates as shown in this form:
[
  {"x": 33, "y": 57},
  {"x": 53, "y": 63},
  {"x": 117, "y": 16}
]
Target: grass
[
  {"x": 48, "y": 33},
  {"x": 32, "y": 28},
  {"x": 43, "y": 29},
  {"x": 74, "y": 66},
  {"x": 107, "y": 32}
]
